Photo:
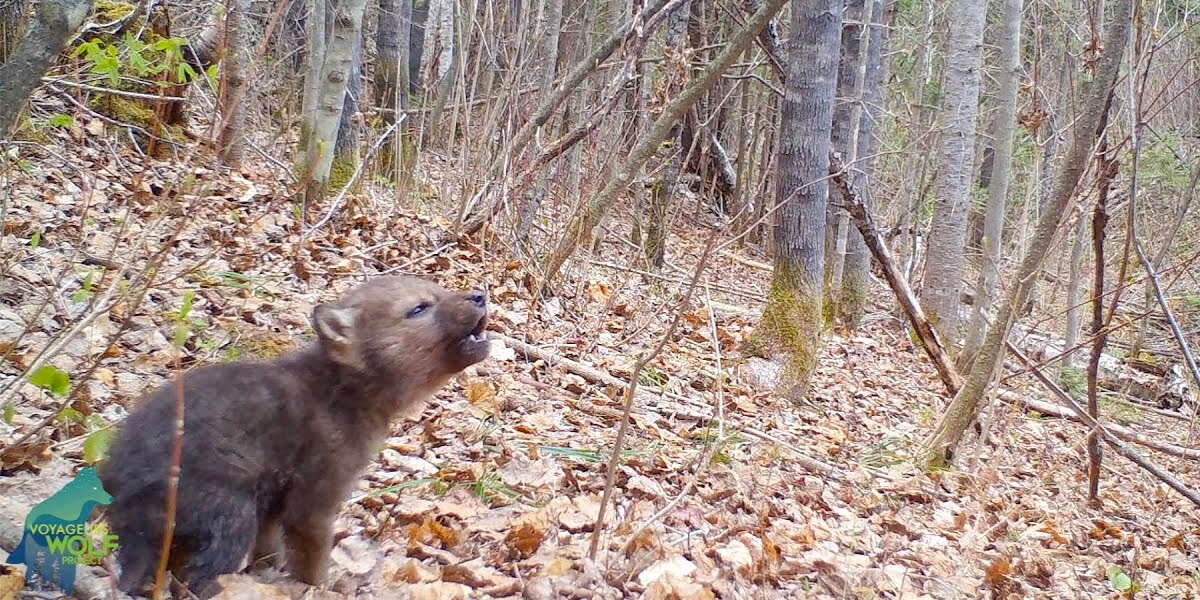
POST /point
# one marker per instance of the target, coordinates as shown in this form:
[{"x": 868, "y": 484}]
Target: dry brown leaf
[{"x": 525, "y": 539}]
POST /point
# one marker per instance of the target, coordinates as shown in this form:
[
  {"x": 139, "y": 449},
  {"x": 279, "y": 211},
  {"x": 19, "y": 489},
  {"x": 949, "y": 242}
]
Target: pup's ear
[{"x": 335, "y": 327}]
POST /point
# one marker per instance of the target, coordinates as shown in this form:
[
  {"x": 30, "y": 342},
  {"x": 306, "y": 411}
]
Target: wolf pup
[{"x": 272, "y": 449}]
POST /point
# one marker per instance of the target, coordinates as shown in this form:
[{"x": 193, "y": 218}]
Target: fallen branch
[
  {"x": 908, "y": 301},
  {"x": 1106, "y": 432}
]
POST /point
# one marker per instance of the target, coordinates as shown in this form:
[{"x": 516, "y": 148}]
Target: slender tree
[
  {"x": 231, "y": 139},
  {"x": 336, "y": 65},
  {"x": 1091, "y": 119},
  {"x": 988, "y": 287},
  {"x": 792, "y": 320},
  {"x": 944, "y": 253},
  {"x": 856, "y": 277},
  {"x": 676, "y": 72},
  {"x": 847, "y": 111}
]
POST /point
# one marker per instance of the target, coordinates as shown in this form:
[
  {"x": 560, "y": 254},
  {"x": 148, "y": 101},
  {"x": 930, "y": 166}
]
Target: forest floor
[{"x": 494, "y": 491}]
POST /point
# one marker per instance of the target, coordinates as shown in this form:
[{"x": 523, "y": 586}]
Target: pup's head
[{"x": 404, "y": 326}]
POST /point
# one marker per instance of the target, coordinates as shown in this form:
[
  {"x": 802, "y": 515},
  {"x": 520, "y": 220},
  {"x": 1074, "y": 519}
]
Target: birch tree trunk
[
  {"x": 1091, "y": 119},
  {"x": 53, "y": 23},
  {"x": 792, "y": 320},
  {"x": 439, "y": 53},
  {"x": 336, "y": 65},
  {"x": 312, "y": 69},
  {"x": 987, "y": 288},
  {"x": 960, "y": 106}
]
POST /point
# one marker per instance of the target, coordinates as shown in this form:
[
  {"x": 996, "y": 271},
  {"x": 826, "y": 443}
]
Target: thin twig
[
  {"x": 160, "y": 576},
  {"x": 615, "y": 457},
  {"x": 111, "y": 91}
]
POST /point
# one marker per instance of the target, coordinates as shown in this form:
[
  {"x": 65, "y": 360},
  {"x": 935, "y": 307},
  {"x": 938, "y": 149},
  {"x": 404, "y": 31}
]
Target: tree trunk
[
  {"x": 675, "y": 73},
  {"x": 550, "y": 34},
  {"x": 416, "y": 44},
  {"x": 231, "y": 140},
  {"x": 336, "y": 65},
  {"x": 391, "y": 87},
  {"x": 856, "y": 277},
  {"x": 944, "y": 254},
  {"x": 54, "y": 22},
  {"x": 315, "y": 54},
  {"x": 582, "y": 224},
  {"x": 847, "y": 110},
  {"x": 792, "y": 320},
  {"x": 1074, "y": 294},
  {"x": 386, "y": 75},
  {"x": 440, "y": 55},
  {"x": 988, "y": 287},
  {"x": 345, "y": 148},
  {"x": 1091, "y": 119}
]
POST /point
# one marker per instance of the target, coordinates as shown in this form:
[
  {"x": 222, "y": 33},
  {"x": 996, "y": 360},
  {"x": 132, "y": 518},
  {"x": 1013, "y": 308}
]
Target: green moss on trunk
[
  {"x": 791, "y": 328},
  {"x": 341, "y": 171}
]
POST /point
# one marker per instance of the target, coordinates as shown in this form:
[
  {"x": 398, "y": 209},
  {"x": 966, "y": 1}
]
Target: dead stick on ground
[
  {"x": 1104, "y": 432},
  {"x": 1124, "y": 433}
]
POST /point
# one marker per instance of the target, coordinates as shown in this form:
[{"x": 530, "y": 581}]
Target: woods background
[{"x": 655, "y": 195}]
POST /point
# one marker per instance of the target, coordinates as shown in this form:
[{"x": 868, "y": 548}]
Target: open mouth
[{"x": 477, "y": 335}]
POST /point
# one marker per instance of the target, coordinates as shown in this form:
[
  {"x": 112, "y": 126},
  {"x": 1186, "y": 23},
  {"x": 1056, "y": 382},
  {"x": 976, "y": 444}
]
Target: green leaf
[
  {"x": 35, "y": 240},
  {"x": 70, "y": 415},
  {"x": 10, "y": 411},
  {"x": 188, "y": 297},
  {"x": 52, "y": 379},
  {"x": 60, "y": 120},
  {"x": 1118, "y": 579},
  {"x": 95, "y": 446}
]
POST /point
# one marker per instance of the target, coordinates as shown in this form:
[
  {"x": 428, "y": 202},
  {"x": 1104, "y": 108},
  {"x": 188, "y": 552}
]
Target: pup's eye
[{"x": 417, "y": 310}]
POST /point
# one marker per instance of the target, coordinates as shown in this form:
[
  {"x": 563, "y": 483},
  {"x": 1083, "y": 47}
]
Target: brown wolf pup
[{"x": 272, "y": 449}]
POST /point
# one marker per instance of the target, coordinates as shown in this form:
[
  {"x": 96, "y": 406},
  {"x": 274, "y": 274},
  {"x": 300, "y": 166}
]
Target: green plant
[
  {"x": 184, "y": 323},
  {"x": 652, "y": 376},
  {"x": 1119, "y": 409},
  {"x": 882, "y": 454},
  {"x": 491, "y": 489},
  {"x": 60, "y": 120},
  {"x": 592, "y": 456},
  {"x": 133, "y": 57},
  {"x": 1121, "y": 582},
  {"x": 1073, "y": 379},
  {"x": 86, "y": 288},
  {"x": 52, "y": 379}
]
